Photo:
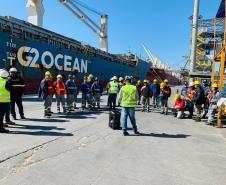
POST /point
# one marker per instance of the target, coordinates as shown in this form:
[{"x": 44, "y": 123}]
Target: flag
[{"x": 221, "y": 10}]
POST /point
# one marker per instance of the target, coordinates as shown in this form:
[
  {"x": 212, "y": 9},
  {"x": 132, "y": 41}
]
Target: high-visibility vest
[
  {"x": 4, "y": 93},
  {"x": 128, "y": 96},
  {"x": 113, "y": 88}
]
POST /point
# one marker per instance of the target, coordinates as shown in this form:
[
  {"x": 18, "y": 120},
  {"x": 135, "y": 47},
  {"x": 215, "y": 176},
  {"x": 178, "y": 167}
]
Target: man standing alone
[
  {"x": 128, "y": 98},
  {"x": 17, "y": 92},
  {"x": 113, "y": 91}
]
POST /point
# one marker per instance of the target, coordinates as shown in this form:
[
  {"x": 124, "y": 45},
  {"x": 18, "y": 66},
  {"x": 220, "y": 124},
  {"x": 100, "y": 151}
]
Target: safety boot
[{"x": 10, "y": 122}]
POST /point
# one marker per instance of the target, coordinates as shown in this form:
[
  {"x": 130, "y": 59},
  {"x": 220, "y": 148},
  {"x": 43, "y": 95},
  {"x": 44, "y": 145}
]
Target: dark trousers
[
  {"x": 7, "y": 114},
  {"x": 112, "y": 100},
  {"x": 18, "y": 101},
  {"x": 4, "y": 107}
]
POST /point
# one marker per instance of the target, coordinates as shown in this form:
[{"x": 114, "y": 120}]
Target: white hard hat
[
  {"x": 115, "y": 78},
  {"x": 191, "y": 84},
  {"x": 13, "y": 69},
  {"x": 121, "y": 79},
  {"x": 4, "y": 73},
  {"x": 59, "y": 76}
]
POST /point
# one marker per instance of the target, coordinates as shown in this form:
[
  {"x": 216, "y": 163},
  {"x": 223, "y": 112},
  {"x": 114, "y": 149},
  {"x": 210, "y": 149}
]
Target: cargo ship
[{"x": 34, "y": 50}]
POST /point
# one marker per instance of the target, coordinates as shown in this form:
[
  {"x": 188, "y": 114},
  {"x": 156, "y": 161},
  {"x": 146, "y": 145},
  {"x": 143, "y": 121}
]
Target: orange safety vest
[{"x": 60, "y": 88}]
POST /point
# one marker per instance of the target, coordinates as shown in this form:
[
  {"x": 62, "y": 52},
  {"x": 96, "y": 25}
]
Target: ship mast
[{"x": 35, "y": 10}]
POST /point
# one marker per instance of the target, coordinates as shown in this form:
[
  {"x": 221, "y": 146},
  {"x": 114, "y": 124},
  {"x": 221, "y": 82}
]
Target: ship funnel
[{"x": 35, "y": 10}]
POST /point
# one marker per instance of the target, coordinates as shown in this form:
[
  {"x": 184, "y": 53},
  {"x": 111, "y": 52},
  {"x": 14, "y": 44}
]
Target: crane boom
[{"x": 35, "y": 10}]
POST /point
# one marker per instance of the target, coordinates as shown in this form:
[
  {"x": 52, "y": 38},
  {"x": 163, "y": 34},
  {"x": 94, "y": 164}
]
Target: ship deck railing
[{"x": 24, "y": 30}]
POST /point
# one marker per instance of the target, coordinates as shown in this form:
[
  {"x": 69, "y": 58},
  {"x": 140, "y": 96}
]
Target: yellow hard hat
[
  {"x": 162, "y": 85},
  {"x": 166, "y": 81},
  {"x": 89, "y": 79},
  {"x": 47, "y": 73},
  {"x": 155, "y": 81},
  {"x": 138, "y": 81},
  {"x": 145, "y": 81},
  {"x": 214, "y": 85},
  {"x": 197, "y": 82},
  {"x": 177, "y": 96},
  {"x": 90, "y": 76}
]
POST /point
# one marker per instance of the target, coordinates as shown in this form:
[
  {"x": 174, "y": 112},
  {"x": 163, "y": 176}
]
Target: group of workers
[
  {"x": 11, "y": 92},
  {"x": 66, "y": 93},
  {"x": 131, "y": 93},
  {"x": 201, "y": 97},
  {"x": 127, "y": 91}
]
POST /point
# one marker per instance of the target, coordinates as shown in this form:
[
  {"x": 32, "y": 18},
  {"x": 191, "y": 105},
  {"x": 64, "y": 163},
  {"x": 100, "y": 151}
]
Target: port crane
[{"x": 35, "y": 9}]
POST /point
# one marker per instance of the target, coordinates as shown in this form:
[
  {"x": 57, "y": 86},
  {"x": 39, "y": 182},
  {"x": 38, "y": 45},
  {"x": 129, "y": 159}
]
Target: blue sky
[{"x": 162, "y": 25}]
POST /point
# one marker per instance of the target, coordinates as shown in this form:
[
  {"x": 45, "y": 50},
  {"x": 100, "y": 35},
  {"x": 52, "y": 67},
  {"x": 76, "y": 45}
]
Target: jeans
[
  {"x": 128, "y": 111},
  {"x": 86, "y": 99}
]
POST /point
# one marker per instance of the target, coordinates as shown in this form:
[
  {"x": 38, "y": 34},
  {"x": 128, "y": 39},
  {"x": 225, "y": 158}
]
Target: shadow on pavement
[
  {"x": 43, "y": 130},
  {"x": 163, "y": 135},
  {"x": 36, "y": 127},
  {"x": 41, "y": 133},
  {"x": 45, "y": 120},
  {"x": 86, "y": 114}
]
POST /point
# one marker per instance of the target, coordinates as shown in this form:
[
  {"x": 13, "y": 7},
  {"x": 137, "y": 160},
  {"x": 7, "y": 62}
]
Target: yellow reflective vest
[
  {"x": 113, "y": 89},
  {"x": 4, "y": 93},
  {"x": 128, "y": 97}
]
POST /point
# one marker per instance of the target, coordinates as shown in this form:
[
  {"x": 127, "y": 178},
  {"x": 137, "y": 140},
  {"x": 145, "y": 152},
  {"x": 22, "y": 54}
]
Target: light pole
[{"x": 194, "y": 36}]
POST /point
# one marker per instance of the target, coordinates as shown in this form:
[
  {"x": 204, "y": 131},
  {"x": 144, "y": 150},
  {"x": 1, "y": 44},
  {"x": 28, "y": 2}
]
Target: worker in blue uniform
[
  {"x": 97, "y": 91},
  {"x": 70, "y": 88},
  {"x": 86, "y": 94}
]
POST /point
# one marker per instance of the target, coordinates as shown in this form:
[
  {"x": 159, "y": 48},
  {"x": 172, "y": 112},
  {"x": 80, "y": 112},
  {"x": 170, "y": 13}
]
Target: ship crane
[{"x": 35, "y": 10}]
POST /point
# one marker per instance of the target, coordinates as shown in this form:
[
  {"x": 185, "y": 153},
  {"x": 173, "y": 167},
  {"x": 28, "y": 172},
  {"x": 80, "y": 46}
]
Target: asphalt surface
[{"x": 80, "y": 149}]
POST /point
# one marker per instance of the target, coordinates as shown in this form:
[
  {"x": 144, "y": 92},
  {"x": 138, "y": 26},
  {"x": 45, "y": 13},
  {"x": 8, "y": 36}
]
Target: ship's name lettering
[{"x": 31, "y": 57}]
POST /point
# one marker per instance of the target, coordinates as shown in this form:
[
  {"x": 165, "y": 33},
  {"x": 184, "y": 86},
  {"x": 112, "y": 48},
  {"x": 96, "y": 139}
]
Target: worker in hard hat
[
  {"x": 189, "y": 105},
  {"x": 165, "y": 93},
  {"x": 184, "y": 89},
  {"x": 76, "y": 91},
  {"x": 198, "y": 99},
  {"x": 113, "y": 91},
  {"x": 207, "y": 89},
  {"x": 60, "y": 92},
  {"x": 5, "y": 88},
  {"x": 128, "y": 98},
  {"x": 139, "y": 86},
  {"x": 46, "y": 93},
  {"x": 70, "y": 88},
  {"x": 155, "y": 89},
  {"x": 179, "y": 106},
  {"x": 17, "y": 92},
  {"x": 107, "y": 88},
  {"x": 86, "y": 94},
  {"x": 121, "y": 82},
  {"x": 145, "y": 96},
  {"x": 213, "y": 98},
  {"x": 90, "y": 78},
  {"x": 97, "y": 91}
]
